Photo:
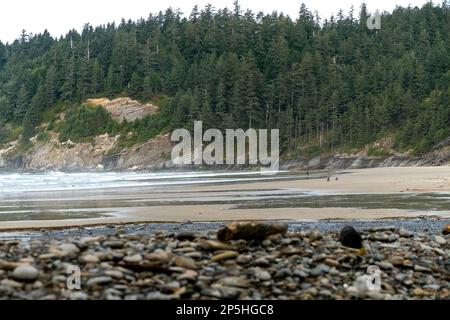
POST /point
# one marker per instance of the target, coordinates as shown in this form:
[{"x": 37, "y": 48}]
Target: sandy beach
[
  {"x": 376, "y": 180},
  {"x": 161, "y": 243},
  {"x": 177, "y": 202}
]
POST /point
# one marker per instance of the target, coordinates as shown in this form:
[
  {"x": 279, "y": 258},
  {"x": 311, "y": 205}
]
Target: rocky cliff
[
  {"x": 339, "y": 162},
  {"x": 437, "y": 157},
  {"x": 155, "y": 154},
  {"x": 440, "y": 155},
  {"x": 51, "y": 154},
  {"x": 95, "y": 155},
  {"x": 125, "y": 108}
]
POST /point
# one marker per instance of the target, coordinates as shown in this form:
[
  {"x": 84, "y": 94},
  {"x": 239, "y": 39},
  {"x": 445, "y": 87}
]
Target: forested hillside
[{"x": 328, "y": 83}]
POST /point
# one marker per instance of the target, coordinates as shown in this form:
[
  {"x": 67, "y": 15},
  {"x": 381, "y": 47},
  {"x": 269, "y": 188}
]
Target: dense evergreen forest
[{"x": 328, "y": 83}]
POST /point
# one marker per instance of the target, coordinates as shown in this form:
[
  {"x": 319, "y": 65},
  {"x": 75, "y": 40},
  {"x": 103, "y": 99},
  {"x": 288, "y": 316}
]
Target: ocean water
[
  {"x": 58, "y": 195},
  {"x": 60, "y": 181}
]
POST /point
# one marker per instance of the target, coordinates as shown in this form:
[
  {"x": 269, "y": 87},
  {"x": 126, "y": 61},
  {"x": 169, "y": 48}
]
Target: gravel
[
  {"x": 407, "y": 227},
  {"x": 309, "y": 262}
]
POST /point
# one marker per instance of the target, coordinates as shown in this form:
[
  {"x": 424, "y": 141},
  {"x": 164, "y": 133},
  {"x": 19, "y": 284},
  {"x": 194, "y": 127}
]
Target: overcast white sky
[{"x": 59, "y": 16}]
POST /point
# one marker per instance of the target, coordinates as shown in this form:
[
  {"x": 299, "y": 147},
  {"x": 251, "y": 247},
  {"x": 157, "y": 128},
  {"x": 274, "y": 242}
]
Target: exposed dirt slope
[{"x": 125, "y": 108}]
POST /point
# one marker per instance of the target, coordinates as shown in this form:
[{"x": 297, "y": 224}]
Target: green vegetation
[
  {"x": 330, "y": 84},
  {"x": 377, "y": 152},
  {"x": 139, "y": 131},
  {"x": 9, "y": 132},
  {"x": 84, "y": 122}
]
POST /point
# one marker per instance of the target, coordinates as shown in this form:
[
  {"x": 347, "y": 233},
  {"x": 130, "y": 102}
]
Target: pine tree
[
  {"x": 69, "y": 87},
  {"x": 51, "y": 86},
  {"x": 135, "y": 89},
  {"x": 98, "y": 78},
  {"x": 22, "y": 104},
  {"x": 84, "y": 83},
  {"x": 29, "y": 129},
  {"x": 221, "y": 107},
  {"x": 113, "y": 82},
  {"x": 6, "y": 110}
]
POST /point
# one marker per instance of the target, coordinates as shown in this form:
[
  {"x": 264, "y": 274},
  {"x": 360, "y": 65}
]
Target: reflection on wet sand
[{"x": 118, "y": 198}]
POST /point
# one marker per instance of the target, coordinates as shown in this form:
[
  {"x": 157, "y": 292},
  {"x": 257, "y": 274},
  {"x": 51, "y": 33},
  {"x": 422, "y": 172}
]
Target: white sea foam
[{"x": 59, "y": 181}]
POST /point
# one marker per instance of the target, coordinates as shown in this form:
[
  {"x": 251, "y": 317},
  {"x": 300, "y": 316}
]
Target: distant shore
[{"x": 208, "y": 203}]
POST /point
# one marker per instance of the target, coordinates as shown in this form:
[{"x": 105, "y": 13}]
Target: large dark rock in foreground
[
  {"x": 251, "y": 231},
  {"x": 349, "y": 237},
  {"x": 446, "y": 230}
]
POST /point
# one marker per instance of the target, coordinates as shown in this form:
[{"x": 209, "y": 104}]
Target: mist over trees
[{"x": 325, "y": 82}]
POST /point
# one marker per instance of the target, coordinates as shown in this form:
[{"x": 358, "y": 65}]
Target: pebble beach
[{"x": 138, "y": 262}]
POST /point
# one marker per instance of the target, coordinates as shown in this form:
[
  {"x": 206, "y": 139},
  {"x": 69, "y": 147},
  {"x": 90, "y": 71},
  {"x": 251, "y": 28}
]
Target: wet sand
[
  {"x": 202, "y": 213},
  {"x": 376, "y": 180},
  {"x": 366, "y": 181}
]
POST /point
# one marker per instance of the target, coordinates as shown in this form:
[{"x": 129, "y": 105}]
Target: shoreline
[
  {"x": 200, "y": 203},
  {"x": 141, "y": 216},
  {"x": 432, "y": 225}
]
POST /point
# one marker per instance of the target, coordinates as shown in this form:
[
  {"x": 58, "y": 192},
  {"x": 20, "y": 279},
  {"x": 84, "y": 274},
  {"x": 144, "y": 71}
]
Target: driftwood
[{"x": 251, "y": 231}]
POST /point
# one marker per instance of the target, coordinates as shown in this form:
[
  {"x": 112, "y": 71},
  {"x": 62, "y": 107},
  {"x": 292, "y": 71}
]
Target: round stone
[
  {"x": 114, "y": 274},
  {"x": 134, "y": 259},
  {"x": 185, "y": 262},
  {"x": 405, "y": 233},
  {"x": 89, "y": 258},
  {"x": 244, "y": 259},
  {"x": 98, "y": 281},
  {"x": 25, "y": 273},
  {"x": 68, "y": 249},
  {"x": 386, "y": 265},
  {"x": 314, "y": 235},
  {"x": 263, "y": 275},
  {"x": 235, "y": 282},
  {"x": 78, "y": 295},
  {"x": 396, "y": 260},
  {"x": 158, "y": 296},
  {"x": 189, "y": 275},
  {"x": 440, "y": 240}
]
